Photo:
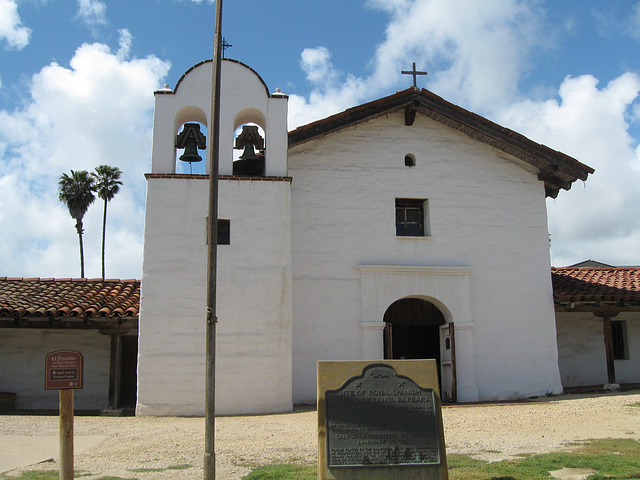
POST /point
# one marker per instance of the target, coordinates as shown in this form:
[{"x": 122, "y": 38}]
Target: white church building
[{"x": 406, "y": 227}]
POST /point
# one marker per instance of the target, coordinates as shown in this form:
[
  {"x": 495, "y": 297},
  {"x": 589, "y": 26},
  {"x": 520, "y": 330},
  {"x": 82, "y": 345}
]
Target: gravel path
[{"x": 487, "y": 431}]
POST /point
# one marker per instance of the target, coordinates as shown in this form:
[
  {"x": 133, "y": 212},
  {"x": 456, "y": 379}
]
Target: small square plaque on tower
[{"x": 380, "y": 420}]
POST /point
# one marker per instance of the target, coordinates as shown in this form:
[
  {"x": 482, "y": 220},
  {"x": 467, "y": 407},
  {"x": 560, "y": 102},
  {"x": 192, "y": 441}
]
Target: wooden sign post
[{"x": 64, "y": 373}]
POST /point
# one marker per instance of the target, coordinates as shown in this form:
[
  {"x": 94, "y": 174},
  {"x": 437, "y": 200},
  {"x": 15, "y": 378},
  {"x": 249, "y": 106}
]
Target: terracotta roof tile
[
  {"x": 69, "y": 297},
  {"x": 587, "y": 284}
]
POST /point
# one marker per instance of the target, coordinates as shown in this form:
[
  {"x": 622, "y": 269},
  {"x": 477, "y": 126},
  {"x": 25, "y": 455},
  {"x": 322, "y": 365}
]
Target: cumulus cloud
[
  {"x": 12, "y": 31},
  {"x": 96, "y": 111},
  {"x": 92, "y": 12},
  {"x": 333, "y": 90},
  {"x": 597, "y": 219},
  {"x": 481, "y": 51},
  {"x": 316, "y": 63},
  {"x": 481, "y": 48}
]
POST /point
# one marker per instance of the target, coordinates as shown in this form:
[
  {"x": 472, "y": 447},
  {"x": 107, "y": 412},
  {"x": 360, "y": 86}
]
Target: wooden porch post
[
  {"x": 608, "y": 348},
  {"x": 606, "y": 315},
  {"x": 114, "y": 362}
]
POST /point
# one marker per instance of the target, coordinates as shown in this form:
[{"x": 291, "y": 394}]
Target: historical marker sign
[
  {"x": 381, "y": 418},
  {"x": 63, "y": 369}
]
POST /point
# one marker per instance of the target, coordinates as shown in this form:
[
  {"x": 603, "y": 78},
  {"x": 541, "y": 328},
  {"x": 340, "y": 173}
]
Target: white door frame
[{"x": 449, "y": 288}]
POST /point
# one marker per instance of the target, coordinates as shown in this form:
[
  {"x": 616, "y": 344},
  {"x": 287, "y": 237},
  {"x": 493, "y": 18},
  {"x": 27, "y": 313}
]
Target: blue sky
[{"x": 77, "y": 80}]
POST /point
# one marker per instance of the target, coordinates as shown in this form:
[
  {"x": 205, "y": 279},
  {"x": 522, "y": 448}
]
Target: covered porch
[
  {"x": 598, "y": 326},
  {"x": 96, "y": 317}
]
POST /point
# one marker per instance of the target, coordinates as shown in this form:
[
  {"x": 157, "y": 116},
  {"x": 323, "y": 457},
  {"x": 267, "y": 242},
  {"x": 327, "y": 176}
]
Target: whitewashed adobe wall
[
  {"x": 581, "y": 350},
  {"x": 23, "y": 357},
  {"x": 487, "y": 214},
  {"x": 253, "y": 357}
]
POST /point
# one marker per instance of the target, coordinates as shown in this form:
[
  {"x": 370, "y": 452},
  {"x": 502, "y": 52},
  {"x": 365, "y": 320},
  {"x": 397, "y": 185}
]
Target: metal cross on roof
[
  {"x": 413, "y": 72},
  {"x": 224, "y": 46}
]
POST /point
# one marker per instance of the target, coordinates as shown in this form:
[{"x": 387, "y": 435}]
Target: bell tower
[
  {"x": 245, "y": 100},
  {"x": 254, "y": 298}
]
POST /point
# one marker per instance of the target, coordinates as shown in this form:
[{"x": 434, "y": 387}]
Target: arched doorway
[{"x": 415, "y": 329}]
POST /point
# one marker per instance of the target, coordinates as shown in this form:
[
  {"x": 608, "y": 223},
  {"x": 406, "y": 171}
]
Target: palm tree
[
  {"x": 107, "y": 185},
  {"x": 76, "y": 192}
]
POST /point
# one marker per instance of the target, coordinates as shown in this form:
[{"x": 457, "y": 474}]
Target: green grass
[
  {"x": 283, "y": 472},
  {"x": 612, "y": 459},
  {"x": 54, "y": 475}
]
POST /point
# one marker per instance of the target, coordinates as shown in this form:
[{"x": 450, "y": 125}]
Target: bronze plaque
[
  {"x": 381, "y": 418},
  {"x": 63, "y": 369}
]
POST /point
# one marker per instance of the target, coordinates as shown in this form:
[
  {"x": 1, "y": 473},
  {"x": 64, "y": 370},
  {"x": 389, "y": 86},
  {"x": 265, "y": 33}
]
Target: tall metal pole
[{"x": 214, "y": 136}]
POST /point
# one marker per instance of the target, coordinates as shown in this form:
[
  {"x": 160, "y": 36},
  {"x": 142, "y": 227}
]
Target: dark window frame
[
  {"x": 411, "y": 217},
  {"x": 224, "y": 231}
]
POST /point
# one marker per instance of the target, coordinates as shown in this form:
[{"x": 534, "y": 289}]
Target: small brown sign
[{"x": 63, "y": 370}]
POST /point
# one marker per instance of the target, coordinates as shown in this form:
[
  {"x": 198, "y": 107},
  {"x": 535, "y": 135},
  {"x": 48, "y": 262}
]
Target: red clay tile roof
[
  {"x": 557, "y": 170},
  {"x": 83, "y": 298},
  {"x": 586, "y": 284}
]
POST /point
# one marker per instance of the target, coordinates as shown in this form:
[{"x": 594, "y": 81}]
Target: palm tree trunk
[
  {"x": 104, "y": 229},
  {"x": 79, "y": 229}
]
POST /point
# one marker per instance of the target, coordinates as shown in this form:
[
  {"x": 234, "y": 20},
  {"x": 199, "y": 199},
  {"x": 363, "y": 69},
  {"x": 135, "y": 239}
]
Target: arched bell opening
[
  {"x": 190, "y": 147},
  {"x": 249, "y": 143},
  {"x": 249, "y": 150}
]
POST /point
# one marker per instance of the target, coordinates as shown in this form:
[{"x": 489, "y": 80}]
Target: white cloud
[
  {"x": 11, "y": 30},
  {"x": 97, "y": 111},
  {"x": 125, "y": 43},
  {"x": 92, "y": 12},
  {"x": 597, "y": 219},
  {"x": 317, "y": 65},
  {"x": 332, "y": 93},
  {"x": 480, "y": 48}
]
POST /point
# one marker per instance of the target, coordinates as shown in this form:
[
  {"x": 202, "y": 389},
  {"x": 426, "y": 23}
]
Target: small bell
[
  {"x": 190, "y": 153},
  {"x": 190, "y": 138},
  {"x": 249, "y": 152}
]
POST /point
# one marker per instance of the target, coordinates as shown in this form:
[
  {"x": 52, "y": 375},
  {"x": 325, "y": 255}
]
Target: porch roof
[
  {"x": 590, "y": 288},
  {"x": 68, "y": 302}
]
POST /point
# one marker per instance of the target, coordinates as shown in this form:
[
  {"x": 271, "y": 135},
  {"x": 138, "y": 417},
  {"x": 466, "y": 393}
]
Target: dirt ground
[{"x": 487, "y": 431}]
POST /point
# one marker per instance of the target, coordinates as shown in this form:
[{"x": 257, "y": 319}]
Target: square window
[
  {"x": 411, "y": 217},
  {"x": 224, "y": 232}
]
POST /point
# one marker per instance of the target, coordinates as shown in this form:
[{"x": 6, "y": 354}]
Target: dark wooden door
[{"x": 128, "y": 371}]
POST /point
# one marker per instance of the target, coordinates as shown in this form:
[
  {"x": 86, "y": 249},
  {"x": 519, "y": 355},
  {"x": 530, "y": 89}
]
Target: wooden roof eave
[
  {"x": 595, "y": 307},
  {"x": 66, "y": 323}
]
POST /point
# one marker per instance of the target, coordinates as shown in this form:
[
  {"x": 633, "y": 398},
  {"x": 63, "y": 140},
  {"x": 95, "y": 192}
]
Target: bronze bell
[
  {"x": 190, "y": 138},
  {"x": 249, "y": 152},
  {"x": 190, "y": 153}
]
